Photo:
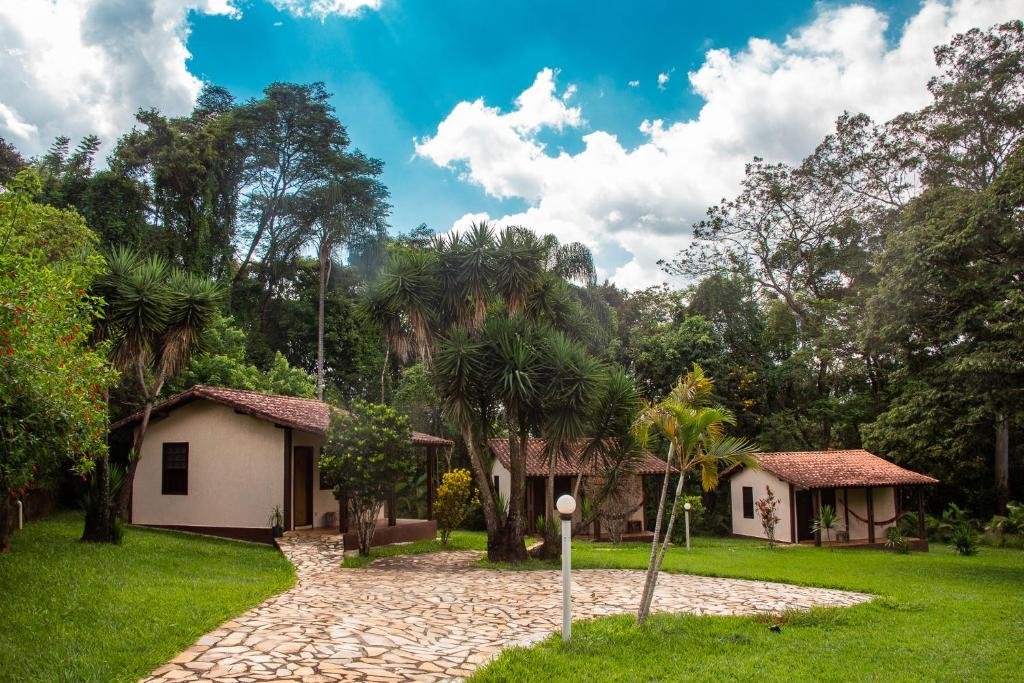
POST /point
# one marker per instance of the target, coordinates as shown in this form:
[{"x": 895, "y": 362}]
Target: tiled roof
[
  {"x": 828, "y": 469},
  {"x": 537, "y": 465},
  {"x": 306, "y": 414}
]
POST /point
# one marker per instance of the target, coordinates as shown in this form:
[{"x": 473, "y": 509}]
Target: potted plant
[{"x": 277, "y": 522}]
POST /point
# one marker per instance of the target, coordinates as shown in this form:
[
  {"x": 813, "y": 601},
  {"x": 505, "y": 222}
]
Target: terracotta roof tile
[
  {"x": 537, "y": 466},
  {"x": 827, "y": 469},
  {"x": 306, "y": 414}
]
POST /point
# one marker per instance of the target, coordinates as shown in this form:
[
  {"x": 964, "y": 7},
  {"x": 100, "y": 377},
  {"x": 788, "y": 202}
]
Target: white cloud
[
  {"x": 662, "y": 80},
  {"x": 775, "y": 100},
  {"x": 321, "y": 9},
  {"x": 634, "y": 84},
  {"x": 76, "y": 67}
]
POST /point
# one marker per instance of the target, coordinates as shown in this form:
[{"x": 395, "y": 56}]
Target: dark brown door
[
  {"x": 302, "y": 485},
  {"x": 804, "y": 515}
]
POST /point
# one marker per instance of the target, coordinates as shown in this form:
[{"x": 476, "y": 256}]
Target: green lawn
[
  {"x": 938, "y": 617},
  {"x": 76, "y": 612},
  {"x": 459, "y": 540}
]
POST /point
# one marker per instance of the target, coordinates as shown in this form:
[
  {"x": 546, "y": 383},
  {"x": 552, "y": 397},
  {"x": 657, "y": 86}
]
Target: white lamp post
[
  {"x": 566, "y": 505},
  {"x": 686, "y": 513}
]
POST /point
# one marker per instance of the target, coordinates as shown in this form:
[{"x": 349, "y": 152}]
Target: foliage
[
  {"x": 766, "y": 512},
  {"x": 53, "y": 415},
  {"x": 123, "y": 610},
  {"x": 895, "y": 540},
  {"x": 826, "y": 522},
  {"x": 155, "y": 317},
  {"x": 367, "y": 449},
  {"x": 505, "y": 336},
  {"x": 1011, "y": 524},
  {"x": 453, "y": 501},
  {"x": 964, "y": 540},
  {"x": 223, "y": 363}
]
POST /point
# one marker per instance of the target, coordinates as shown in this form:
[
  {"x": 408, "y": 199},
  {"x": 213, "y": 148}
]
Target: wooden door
[
  {"x": 804, "y": 515},
  {"x": 302, "y": 485}
]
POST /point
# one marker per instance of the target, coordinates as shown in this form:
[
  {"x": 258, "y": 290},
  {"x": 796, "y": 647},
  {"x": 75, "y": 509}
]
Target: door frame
[{"x": 308, "y": 480}]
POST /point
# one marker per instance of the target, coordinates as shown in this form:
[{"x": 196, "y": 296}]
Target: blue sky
[
  {"x": 545, "y": 114},
  {"x": 396, "y": 72}
]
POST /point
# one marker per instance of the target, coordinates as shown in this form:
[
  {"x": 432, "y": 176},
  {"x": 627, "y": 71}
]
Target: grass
[
  {"x": 938, "y": 617},
  {"x": 80, "y": 612},
  {"x": 459, "y": 540}
]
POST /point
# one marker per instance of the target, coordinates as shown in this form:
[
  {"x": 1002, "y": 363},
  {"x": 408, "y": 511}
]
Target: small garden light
[
  {"x": 686, "y": 513},
  {"x": 566, "y": 505}
]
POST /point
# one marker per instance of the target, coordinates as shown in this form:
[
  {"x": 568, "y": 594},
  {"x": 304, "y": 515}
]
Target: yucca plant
[
  {"x": 155, "y": 317},
  {"x": 826, "y": 522}
]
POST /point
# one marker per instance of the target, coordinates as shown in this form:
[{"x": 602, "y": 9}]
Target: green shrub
[
  {"x": 895, "y": 540},
  {"x": 964, "y": 540}
]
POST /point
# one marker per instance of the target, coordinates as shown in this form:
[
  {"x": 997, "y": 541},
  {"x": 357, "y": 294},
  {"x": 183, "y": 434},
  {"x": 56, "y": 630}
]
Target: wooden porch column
[
  {"x": 921, "y": 533},
  {"x": 869, "y": 493},
  {"x": 846, "y": 510},
  {"x": 431, "y": 476},
  {"x": 817, "y": 511},
  {"x": 391, "y": 505},
  {"x": 792, "y": 514}
]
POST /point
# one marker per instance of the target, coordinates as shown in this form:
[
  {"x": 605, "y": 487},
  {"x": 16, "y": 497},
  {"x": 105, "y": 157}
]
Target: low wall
[{"x": 403, "y": 532}]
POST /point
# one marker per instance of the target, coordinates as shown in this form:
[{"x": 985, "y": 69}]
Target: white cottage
[
  {"x": 566, "y": 472},
  {"x": 218, "y": 461},
  {"x": 868, "y": 493}
]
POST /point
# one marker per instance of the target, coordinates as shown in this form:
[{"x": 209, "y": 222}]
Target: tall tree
[
  {"x": 291, "y": 141},
  {"x": 350, "y": 203},
  {"x": 155, "y": 318},
  {"x": 53, "y": 414},
  {"x": 501, "y": 334},
  {"x": 191, "y": 168},
  {"x": 951, "y": 299}
]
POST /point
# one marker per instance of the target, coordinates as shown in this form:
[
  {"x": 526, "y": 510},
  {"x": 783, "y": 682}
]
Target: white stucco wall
[
  {"x": 759, "y": 481},
  {"x": 505, "y": 488},
  {"x": 884, "y": 503},
  {"x": 504, "y": 478},
  {"x": 235, "y": 469}
]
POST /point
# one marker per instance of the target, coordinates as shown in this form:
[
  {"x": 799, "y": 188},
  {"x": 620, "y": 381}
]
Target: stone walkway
[{"x": 437, "y": 617}]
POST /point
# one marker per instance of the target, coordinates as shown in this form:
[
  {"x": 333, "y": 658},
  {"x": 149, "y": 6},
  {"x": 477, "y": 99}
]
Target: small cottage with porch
[
  {"x": 219, "y": 461},
  {"x": 566, "y": 472},
  {"x": 869, "y": 494}
]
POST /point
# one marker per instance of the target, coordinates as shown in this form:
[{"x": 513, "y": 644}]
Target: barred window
[{"x": 175, "y": 470}]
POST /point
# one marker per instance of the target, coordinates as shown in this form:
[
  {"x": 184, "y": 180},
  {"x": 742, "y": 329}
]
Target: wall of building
[
  {"x": 884, "y": 503},
  {"x": 235, "y": 469},
  {"x": 505, "y": 489},
  {"x": 759, "y": 481}
]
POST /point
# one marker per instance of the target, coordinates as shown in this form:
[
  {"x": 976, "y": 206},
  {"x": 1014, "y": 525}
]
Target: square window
[{"x": 175, "y": 470}]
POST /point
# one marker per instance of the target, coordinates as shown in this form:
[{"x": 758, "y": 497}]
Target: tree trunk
[
  {"x": 646, "y": 608},
  {"x": 325, "y": 273},
  {"x": 552, "y": 548},
  {"x": 99, "y": 520},
  {"x": 124, "y": 496},
  {"x": 651, "y": 577},
  {"x": 1002, "y": 462}
]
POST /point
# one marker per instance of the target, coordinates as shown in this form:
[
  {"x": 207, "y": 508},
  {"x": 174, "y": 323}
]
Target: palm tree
[
  {"x": 352, "y": 202},
  {"x": 155, "y": 317},
  {"x": 695, "y": 431},
  {"x": 501, "y": 333}
]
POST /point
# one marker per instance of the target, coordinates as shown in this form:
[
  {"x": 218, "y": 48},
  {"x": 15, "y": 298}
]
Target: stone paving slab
[{"x": 437, "y": 617}]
